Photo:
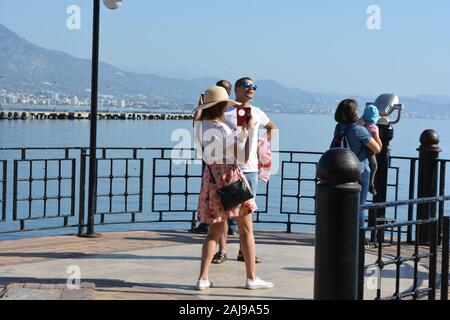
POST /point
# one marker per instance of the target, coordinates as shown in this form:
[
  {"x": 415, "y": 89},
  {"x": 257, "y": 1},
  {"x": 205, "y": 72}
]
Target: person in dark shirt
[{"x": 358, "y": 138}]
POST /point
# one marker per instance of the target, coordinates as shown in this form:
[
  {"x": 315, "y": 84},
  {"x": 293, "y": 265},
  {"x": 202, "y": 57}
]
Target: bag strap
[
  {"x": 210, "y": 171},
  {"x": 345, "y": 135},
  {"x": 212, "y": 176},
  {"x": 344, "y": 131}
]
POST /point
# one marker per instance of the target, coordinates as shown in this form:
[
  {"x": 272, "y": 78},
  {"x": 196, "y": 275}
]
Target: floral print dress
[{"x": 225, "y": 171}]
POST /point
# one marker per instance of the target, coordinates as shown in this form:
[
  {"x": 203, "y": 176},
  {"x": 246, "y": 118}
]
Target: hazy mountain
[
  {"x": 165, "y": 72},
  {"x": 28, "y": 67},
  {"x": 441, "y": 99}
]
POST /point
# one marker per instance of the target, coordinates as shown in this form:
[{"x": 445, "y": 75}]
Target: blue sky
[{"x": 313, "y": 45}]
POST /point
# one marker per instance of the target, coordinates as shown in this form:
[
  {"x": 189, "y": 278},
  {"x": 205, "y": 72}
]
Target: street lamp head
[{"x": 112, "y": 4}]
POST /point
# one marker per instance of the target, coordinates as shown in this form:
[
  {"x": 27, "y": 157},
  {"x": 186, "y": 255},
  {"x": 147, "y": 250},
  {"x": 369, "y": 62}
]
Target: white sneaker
[
  {"x": 258, "y": 283},
  {"x": 203, "y": 284}
]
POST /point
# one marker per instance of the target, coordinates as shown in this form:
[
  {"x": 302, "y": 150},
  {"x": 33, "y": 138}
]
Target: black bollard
[
  {"x": 337, "y": 226},
  {"x": 428, "y": 178}
]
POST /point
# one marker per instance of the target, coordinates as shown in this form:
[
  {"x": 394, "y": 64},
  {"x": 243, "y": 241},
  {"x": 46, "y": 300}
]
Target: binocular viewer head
[
  {"x": 112, "y": 4},
  {"x": 386, "y": 104}
]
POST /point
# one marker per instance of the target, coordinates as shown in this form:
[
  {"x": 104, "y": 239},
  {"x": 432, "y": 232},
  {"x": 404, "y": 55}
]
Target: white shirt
[
  {"x": 260, "y": 119},
  {"x": 217, "y": 141}
]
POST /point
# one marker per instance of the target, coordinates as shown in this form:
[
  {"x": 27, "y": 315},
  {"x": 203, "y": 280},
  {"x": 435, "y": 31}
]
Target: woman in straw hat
[{"x": 220, "y": 149}]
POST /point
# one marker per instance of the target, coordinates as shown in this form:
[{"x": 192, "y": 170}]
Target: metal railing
[
  {"x": 45, "y": 188},
  {"x": 403, "y": 174},
  {"x": 422, "y": 249},
  {"x": 341, "y": 237}
]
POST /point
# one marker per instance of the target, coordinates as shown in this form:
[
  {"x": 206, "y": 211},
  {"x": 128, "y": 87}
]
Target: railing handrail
[
  {"x": 382, "y": 205},
  {"x": 187, "y": 149},
  {"x": 140, "y": 148},
  {"x": 399, "y": 224}
]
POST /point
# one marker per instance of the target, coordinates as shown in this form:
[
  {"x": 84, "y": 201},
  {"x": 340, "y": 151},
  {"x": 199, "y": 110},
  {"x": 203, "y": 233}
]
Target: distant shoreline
[
  {"x": 169, "y": 111},
  {"x": 54, "y": 114}
]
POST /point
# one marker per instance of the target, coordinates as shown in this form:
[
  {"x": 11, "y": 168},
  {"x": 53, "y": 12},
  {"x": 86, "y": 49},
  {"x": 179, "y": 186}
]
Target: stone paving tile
[
  {"x": 31, "y": 294},
  {"x": 32, "y": 285},
  {"x": 82, "y": 294},
  {"x": 140, "y": 293},
  {"x": 87, "y": 285},
  {"x": 46, "y": 286},
  {"x": 45, "y": 291}
]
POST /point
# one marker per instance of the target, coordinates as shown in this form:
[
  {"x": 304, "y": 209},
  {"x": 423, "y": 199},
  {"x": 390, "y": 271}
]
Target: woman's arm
[
  {"x": 241, "y": 148},
  {"x": 376, "y": 136},
  {"x": 198, "y": 113},
  {"x": 243, "y": 145},
  {"x": 374, "y": 146}
]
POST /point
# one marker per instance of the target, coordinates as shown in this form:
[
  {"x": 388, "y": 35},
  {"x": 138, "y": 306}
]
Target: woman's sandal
[
  {"x": 240, "y": 257},
  {"x": 219, "y": 257}
]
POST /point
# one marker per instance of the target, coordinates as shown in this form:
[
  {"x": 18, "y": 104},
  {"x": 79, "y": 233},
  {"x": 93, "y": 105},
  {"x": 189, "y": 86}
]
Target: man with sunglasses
[{"x": 245, "y": 90}]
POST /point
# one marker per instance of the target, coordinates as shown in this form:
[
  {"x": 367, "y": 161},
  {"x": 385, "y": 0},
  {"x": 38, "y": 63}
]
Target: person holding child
[
  {"x": 359, "y": 140},
  {"x": 370, "y": 118}
]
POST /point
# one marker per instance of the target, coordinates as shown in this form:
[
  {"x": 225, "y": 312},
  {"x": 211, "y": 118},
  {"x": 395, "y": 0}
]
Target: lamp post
[{"x": 92, "y": 189}]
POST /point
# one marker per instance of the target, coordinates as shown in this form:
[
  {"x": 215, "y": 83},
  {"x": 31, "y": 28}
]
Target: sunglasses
[{"x": 250, "y": 85}]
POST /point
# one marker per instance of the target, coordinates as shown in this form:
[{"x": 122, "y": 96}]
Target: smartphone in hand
[{"x": 242, "y": 115}]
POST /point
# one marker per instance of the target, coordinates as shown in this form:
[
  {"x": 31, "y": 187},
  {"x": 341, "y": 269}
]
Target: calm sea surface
[{"x": 297, "y": 133}]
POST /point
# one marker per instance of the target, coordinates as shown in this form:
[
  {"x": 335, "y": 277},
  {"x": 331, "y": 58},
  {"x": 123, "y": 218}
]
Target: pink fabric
[
  {"x": 210, "y": 209},
  {"x": 264, "y": 159},
  {"x": 372, "y": 128}
]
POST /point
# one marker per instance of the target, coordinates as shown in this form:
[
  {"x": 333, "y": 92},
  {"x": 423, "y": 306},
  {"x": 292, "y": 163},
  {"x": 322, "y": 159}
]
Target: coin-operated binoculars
[
  {"x": 386, "y": 104},
  {"x": 112, "y": 4}
]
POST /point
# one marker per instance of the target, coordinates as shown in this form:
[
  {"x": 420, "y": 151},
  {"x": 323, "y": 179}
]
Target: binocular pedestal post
[{"x": 381, "y": 177}]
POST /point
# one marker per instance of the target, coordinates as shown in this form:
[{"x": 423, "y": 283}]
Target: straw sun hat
[{"x": 213, "y": 96}]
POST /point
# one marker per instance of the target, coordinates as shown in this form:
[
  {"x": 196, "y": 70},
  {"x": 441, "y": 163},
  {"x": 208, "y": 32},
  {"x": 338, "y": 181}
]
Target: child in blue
[{"x": 370, "y": 118}]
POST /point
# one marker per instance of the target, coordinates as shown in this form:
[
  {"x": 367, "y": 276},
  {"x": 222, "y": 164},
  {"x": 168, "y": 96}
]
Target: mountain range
[{"x": 27, "y": 67}]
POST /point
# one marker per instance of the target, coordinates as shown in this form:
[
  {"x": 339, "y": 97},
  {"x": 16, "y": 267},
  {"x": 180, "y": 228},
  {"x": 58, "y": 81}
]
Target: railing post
[
  {"x": 82, "y": 194},
  {"x": 445, "y": 258},
  {"x": 361, "y": 266},
  {"x": 337, "y": 226},
  {"x": 442, "y": 171},
  {"x": 433, "y": 260},
  {"x": 427, "y": 182}
]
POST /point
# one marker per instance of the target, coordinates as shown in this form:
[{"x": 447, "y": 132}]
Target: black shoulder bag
[{"x": 233, "y": 194}]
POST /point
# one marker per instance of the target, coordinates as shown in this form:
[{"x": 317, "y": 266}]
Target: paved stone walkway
[
  {"x": 164, "y": 265},
  {"x": 153, "y": 265}
]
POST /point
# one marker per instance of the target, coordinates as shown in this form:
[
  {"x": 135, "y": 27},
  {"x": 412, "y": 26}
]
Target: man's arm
[
  {"x": 271, "y": 130},
  {"x": 198, "y": 113}
]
